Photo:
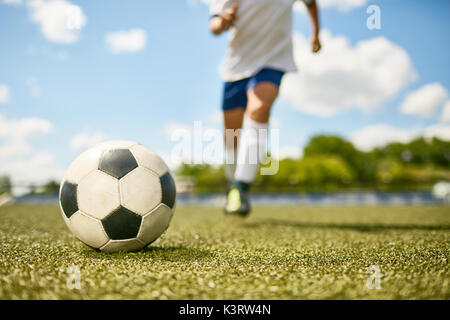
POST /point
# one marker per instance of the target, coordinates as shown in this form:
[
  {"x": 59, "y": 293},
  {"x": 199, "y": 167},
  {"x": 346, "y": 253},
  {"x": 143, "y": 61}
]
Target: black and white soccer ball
[{"x": 117, "y": 196}]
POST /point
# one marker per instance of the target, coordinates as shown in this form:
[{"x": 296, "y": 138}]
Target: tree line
[
  {"x": 50, "y": 187},
  {"x": 331, "y": 163}
]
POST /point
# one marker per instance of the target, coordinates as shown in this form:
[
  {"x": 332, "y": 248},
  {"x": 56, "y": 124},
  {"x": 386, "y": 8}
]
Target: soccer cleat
[{"x": 237, "y": 201}]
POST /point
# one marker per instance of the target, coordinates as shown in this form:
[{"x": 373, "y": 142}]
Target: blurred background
[{"x": 365, "y": 121}]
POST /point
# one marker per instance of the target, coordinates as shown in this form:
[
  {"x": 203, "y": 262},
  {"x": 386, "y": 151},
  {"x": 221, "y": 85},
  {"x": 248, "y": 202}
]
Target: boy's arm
[
  {"x": 313, "y": 13},
  {"x": 223, "y": 21}
]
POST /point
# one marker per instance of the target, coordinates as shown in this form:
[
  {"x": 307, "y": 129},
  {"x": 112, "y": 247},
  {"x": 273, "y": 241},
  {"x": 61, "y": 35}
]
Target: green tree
[
  {"x": 51, "y": 187},
  {"x": 324, "y": 170},
  {"x": 332, "y": 162},
  {"x": 362, "y": 164},
  {"x": 440, "y": 152},
  {"x": 310, "y": 173},
  {"x": 391, "y": 171},
  {"x": 5, "y": 184},
  {"x": 208, "y": 178},
  {"x": 418, "y": 151}
]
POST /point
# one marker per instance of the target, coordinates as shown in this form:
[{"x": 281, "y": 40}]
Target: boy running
[{"x": 260, "y": 52}]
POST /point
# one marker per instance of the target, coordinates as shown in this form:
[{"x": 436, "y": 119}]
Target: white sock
[
  {"x": 230, "y": 163},
  {"x": 252, "y": 148}
]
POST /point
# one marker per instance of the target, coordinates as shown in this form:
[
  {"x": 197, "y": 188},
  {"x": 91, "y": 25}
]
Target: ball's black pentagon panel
[
  {"x": 122, "y": 224},
  {"x": 117, "y": 162},
  {"x": 168, "y": 190},
  {"x": 68, "y": 198}
]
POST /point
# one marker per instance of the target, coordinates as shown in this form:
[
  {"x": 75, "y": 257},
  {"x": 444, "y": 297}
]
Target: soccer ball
[{"x": 117, "y": 196}]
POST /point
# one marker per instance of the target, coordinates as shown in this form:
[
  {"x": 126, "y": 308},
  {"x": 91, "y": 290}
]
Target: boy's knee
[{"x": 259, "y": 111}]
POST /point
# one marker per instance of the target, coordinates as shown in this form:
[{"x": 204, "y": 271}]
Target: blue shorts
[{"x": 235, "y": 93}]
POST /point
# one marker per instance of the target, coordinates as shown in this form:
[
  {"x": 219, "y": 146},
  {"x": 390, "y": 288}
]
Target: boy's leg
[
  {"x": 260, "y": 100},
  {"x": 251, "y": 147},
  {"x": 253, "y": 144},
  {"x": 259, "y": 93},
  {"x": 232, "y": 122}
]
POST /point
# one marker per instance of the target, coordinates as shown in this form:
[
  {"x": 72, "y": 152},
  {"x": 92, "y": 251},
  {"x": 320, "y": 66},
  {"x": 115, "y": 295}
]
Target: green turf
[{"x": 276, "y": 253}]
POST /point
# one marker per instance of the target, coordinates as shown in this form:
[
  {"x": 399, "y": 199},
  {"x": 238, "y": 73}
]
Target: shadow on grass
[
  {"x": 170, "y": 254},
  {"x": 177, "y": 253},
  {"x": 362, "y": 227}
]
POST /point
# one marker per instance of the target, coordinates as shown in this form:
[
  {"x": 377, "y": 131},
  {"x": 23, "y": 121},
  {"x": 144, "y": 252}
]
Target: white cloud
[
  {"x": 341, "y": 5},
  {"x": 445, "y": 117},
  {"x": 60, "y": 20},
  {"x": 172, "y": 162},
  {"x": 126, "y": 41},
  {"x": 17, "y": 157},
  {"x": 37, "y": 168},
  {"x": 16, "y": 2},
  {"x": 441, "y": 131},
  {"x": 15, "y": 135},
  {"x": 86, "y": 140},
  {"x": 292, "y": 152},
  {"x": 4, "y": 93},
  {"x": 379, "y": 135},
  {"x": 344, "y": 77},
  {"x": 425, "y": 101}
]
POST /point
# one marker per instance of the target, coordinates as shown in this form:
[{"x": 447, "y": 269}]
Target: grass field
[{"x": 277, "y": 253}]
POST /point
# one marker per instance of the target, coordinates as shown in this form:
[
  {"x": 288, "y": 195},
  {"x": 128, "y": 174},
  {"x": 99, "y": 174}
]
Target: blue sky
[{"x": 62, "y": 90}]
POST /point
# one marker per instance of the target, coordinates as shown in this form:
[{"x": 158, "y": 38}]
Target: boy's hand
[
  {"x": 228, "y": 16},
  {"x": 313, "y": 13},
  {"x": 224, "y": 20},
  {"x": 315, "y": 43}
]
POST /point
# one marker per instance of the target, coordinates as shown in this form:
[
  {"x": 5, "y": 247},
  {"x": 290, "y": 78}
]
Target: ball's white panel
[
  {"x": 140, "y": 191},
  {"x": 98, "y": 194},
  {"x": 67, "y": 221},
  {"x": 149, "y": 159},
  {"x": 115, "y": 144},
  {"x": 84, "y": 164},
  {"x": 155, "y": 223},
  {"x": 88, "y": 230},
  {"x": 123, "y": 245}
]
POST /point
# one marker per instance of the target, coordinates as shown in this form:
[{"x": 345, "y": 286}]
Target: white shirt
[{"x": 260, "y": 38}]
